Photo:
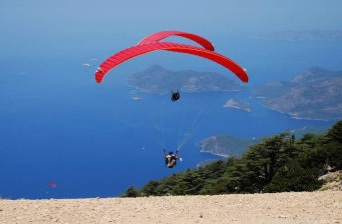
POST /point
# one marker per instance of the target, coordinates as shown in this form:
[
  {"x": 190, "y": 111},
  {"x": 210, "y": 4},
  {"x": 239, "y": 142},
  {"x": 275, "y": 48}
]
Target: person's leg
[{"x": 172, "y": 163}]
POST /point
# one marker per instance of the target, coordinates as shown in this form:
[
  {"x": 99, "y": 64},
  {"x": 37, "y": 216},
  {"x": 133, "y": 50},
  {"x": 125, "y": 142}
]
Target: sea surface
[{"x": 96, "y": 140}]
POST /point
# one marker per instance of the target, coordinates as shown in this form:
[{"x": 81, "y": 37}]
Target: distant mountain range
[
  {"x": 305, "y": 35},
  {"x": 157, "y": 79},
  {"x": 315, "y": 93}
]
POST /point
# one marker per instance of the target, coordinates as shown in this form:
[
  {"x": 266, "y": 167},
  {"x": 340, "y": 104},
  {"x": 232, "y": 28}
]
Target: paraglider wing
[
  {"x": 52, "y": 184},
  {"x": 164, "y": 34},
  {"x": 137, "y": 50},
  {"x": 218, "y": 58}
]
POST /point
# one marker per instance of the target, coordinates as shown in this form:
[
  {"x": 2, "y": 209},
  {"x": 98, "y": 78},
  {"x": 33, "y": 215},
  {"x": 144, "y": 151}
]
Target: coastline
[
  {"x": 215, "y": 154},
  {"x": 294, "y": 116}
]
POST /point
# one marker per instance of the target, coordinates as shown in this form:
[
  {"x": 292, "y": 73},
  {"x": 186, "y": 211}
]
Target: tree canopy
[{"x": 275, "y": 164}]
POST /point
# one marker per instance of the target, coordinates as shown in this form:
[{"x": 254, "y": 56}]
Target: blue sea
[{"x": 96, "y": 140}]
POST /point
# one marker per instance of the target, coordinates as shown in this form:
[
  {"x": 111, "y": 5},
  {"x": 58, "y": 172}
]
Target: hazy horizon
[{"x": 53, "y": 29}]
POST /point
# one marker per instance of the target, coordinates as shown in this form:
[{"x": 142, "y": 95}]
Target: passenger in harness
[
  {"x": 170, "y": 159},
  {"x": 175, "y": 95}
]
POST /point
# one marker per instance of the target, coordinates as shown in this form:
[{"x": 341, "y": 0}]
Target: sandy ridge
[{"x": 304, "y": 207}]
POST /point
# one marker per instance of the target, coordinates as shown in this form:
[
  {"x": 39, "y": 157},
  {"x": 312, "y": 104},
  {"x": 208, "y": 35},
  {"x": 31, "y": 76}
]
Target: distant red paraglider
[
  {"x": 152, "y": 43},
  {"x": 52, "y": 184}
]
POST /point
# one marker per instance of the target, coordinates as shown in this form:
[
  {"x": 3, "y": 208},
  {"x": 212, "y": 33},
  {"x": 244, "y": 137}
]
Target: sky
[{"x": 40, "y": 28}]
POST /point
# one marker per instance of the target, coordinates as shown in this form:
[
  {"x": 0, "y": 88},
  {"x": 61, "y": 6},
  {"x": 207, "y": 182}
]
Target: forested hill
[
  {"x": 157, "y": 79},
  {"x": 275, "y": 164},
  {"x": 227, "y": 145},
  {"x": 315, "y": 93}
]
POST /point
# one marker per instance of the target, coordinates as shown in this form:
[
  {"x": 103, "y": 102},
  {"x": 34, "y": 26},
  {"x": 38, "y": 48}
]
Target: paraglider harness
[
  {"x": 171, "y": 159},
  {"x": 175, "y": 96}
]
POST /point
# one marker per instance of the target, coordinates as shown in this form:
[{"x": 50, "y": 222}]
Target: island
[
  {"x": 231, "y": 103},
  {"x": 159, "y": 80}
]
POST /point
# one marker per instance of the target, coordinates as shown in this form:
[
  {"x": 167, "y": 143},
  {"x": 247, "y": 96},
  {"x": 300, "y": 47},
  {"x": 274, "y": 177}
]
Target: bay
[{"x": 94, "y": 140}]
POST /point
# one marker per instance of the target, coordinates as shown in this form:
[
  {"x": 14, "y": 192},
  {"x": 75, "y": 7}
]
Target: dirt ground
[{"x": 304, "y": 207}]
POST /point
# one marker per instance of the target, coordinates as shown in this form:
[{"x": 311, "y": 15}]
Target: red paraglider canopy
[
  {"x": 151, "y": 43},
  {"x": 164, "y": 34}
]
